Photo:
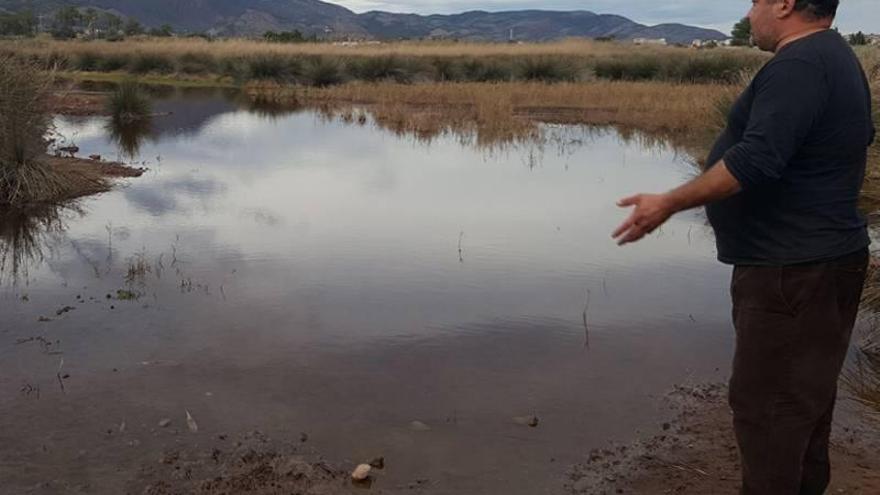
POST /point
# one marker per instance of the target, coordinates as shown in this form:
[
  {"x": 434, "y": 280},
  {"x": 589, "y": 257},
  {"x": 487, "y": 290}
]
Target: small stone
[
  {"x": 419, "y": 426},
  {"x": 531, "y": 421},
  {"x": 581, "y": 485},
  {"x": 361, "y": 473},
  {"x": 666, "y": 426},
  {"x": 303, "y": 437},
  {"x": 165, "y": 423}
]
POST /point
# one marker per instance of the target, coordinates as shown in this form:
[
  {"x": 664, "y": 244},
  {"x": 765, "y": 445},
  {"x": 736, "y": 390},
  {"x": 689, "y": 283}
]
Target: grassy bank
[{"x": 322, "y": 64}]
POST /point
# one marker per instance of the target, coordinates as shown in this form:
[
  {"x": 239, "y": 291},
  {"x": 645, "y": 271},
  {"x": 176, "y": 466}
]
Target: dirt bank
[
  {"x": 697, "y": 455},
  {"x": 79, "y": 103}
]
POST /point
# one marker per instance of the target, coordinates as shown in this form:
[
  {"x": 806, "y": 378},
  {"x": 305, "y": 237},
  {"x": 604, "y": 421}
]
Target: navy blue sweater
[{"x": 796, "y": 140}]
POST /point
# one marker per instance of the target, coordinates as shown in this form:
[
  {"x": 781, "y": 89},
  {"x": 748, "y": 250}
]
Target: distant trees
[
  {"x": 133, "y": 27},
  {"x": 66, "y": 22},
  {"x": 294, "y": 36},
  {"x": 113, "y": 23},
  {"x": 858, "y": 39},
  {"x": 70, "y": 22},
  {"x": 22, "y": 23},
  {"x": 742, "y": 33},
  {"x": 163, "y": 31}
]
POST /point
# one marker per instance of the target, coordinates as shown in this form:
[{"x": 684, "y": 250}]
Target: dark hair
[{"x": 817, "y": 9}]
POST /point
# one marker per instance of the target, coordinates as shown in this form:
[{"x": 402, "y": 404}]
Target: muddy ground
[
  {"x": 79, "y": 103},
  {"x": 694, "y": 455},
  {"x": 697, "y": 453}
]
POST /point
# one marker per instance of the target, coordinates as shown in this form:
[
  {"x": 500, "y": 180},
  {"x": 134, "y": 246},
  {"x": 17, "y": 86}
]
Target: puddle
[{"x": 290, "y": 273}]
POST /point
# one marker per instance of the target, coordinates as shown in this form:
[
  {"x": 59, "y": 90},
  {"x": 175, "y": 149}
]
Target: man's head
[{"x": 774, "y": 20}]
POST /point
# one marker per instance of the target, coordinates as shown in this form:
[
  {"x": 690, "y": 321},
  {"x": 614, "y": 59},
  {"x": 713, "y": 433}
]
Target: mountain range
[{"x": 253, "y": 17}]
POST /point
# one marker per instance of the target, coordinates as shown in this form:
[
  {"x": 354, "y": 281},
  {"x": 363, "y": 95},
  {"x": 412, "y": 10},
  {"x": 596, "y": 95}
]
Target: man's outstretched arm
[{"x": 652, "y": 210}]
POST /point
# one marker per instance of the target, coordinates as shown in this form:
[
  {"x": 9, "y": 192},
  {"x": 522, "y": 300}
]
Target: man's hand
[{"x": 652, "y": 210}]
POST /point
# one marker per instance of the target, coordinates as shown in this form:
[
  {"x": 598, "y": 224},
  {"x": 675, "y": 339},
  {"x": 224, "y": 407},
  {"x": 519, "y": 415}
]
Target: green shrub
[
  {"x": 88, "y": 61},
  {"x": 128, "y": 103},
  {"x": 323, "y": 71},
  {"x": 446, "y": 69},
  {"x": 148, "y": 62},
  {"x": 548, "y": 69},
  {"x": 275, "y": 68},
  {"x": 382, "y": 68},
  {"x": 111, "y": 63},
  {"x": 196, "y": 63},
  {"x": 487, "y": 70},
  {"x": 635, "y": 69}
]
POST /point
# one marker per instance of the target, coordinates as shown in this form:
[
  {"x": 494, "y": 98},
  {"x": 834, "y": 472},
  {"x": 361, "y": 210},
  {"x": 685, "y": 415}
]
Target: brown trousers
[{"x": 793, "y": 328}]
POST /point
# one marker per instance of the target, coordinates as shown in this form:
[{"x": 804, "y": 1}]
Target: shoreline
[{"x": 696, "y": 452}]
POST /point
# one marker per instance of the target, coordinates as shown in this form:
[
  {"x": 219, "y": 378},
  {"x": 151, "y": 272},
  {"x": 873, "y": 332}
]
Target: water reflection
[
  {"x": 129, "y": 135},
  {"x": 25, "y": 236}
]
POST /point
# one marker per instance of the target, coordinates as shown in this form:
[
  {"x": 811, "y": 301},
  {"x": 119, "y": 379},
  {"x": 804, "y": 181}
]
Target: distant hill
[{"x": 253, "y": 17}]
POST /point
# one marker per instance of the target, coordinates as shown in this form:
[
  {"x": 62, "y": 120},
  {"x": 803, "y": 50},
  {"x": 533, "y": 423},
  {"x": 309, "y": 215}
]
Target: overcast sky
[{"x": 854, "y": 15}]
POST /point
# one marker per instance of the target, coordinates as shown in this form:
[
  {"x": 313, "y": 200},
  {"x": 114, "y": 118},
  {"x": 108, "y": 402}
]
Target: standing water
[{"x": 370, "y": 293}]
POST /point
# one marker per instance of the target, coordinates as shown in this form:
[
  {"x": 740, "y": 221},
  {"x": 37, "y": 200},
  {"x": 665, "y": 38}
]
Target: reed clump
[
  {"x": 127, "y": 103},
  {"x": 25, "y": 176}
]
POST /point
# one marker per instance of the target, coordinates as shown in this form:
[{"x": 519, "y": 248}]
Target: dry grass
[
  {"x": 25, "y": 177},
  {"x": 321, "y": 64},
  {"x": 502, "y": 112},
  {"x": 862, "y": 380},
  {"x": 250, "y": 48}
]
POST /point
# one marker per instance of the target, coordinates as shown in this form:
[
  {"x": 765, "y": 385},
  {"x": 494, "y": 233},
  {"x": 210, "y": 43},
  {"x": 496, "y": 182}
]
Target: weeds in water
[
  {"x": 128, "y": 103},
  {"x": 138, "y": 269}
]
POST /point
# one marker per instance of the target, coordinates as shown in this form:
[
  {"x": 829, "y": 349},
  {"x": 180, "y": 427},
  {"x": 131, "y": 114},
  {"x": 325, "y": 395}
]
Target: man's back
[{"x": 796, "y": 140}]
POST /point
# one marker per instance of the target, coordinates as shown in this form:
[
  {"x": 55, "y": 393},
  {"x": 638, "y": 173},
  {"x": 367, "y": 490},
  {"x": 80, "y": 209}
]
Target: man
[{"x": 781, "y": 195}]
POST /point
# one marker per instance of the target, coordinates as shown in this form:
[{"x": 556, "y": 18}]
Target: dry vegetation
[
  {"x": 506, "y": 112},
  {"x": 327, "y": 64},
  {"x": 28, "y": 176}
]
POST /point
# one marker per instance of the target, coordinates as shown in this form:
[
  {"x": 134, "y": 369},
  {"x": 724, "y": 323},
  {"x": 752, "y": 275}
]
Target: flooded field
[{"x": 356, "y": 292}]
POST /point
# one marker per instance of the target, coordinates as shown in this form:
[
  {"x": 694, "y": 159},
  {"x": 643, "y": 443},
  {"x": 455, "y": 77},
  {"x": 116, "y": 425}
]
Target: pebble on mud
[
  {"x": 165, "y": 423},
  {"x": 531, "y": 421},
  {"x": 361, "y": 473},
  {"x": 419, "y": 426}
]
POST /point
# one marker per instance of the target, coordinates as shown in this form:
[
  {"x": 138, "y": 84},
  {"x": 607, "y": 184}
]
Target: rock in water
[{"x": 361, "y": 473}]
